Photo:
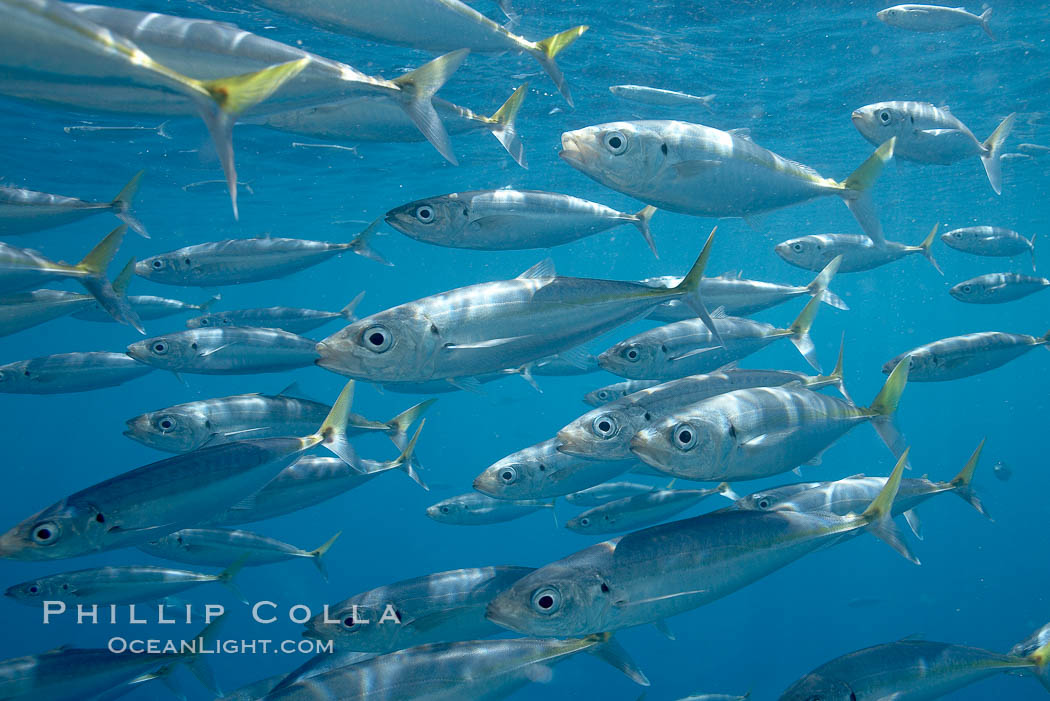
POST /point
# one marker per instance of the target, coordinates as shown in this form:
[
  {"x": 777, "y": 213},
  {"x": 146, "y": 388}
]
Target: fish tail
[
  {"x": 195, "y": 662},
  {"x": 804, "y": 322},
  {"x": 502, "y": 125},
  {"x": 93, "y": 267},
  {"x": 606, "y": 649},
  {"x": 221, "y": 100},
  {"x": 332, "y": 433},
  {"x": 1045, "y": 340},
  {"x": 99, "y": 257},
  {"x": 208, "y": 303},
  {"x": 406, "y": 461},
  {"x": 961, "y": 484},
  {"x": 226, "y": 576},
  {"x": 689, "y": 288},
  {"x": 926, "y": 246},
  {"x": 123, "y": 279},
  {"x": 984, "y": 23},
  {"x": 993, "y": 150},
  {"x": 318, "y": 555},
  {"x": 1031, "y": 247},
  {"x": 878, "y": 517},
  {"x": 885, "y": 405},
  {"x": 347, "y": 312},
  {"x": 544, "y": 51},
  {"x": 403, "y": 422},
  {"x": 820, "y": 284},
  {"x": 642, "y": 219},
  {"x": 362, "y": 244},
  {"x": 1040, "y": 660},
  {"x": 122, "y": 205},
  {"x": 836, "y": 377},
  {"x": 857, "y": 190},
  {"x": 418, "y": 88}
]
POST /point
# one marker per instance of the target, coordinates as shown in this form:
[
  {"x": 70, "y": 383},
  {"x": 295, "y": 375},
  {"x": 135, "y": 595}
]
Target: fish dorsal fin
[
  {"x": 293, "y": 391},
  {"x": 945, "y": 108},
  {"x": 742, "y": 133},
  {"x": 541, "y": 271},
  {"x": 859, "y": 475},
  {"x": 59, "y": 649},
  {"x": 807, "y": 169},
  {"x": 731, "y": 275},
  {"x": 719, "y": 313}
]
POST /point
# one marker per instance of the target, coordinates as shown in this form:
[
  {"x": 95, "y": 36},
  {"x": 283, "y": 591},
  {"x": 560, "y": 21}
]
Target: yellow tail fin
[{"x": 545, "y": 51}]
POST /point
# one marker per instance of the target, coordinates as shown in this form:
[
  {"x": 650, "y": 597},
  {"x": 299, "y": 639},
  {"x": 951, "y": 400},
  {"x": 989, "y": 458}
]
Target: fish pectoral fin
[
  {"x": 892, "y": 697},
  {"x": 689, "y": 169},
  {"x": 914, "y": 523},
  {"x": 245, "y": 504},
  {"x": 467, "y": 384},
  {"x": 936, "y": 132},
  {"x": 211, "y": 351},
  {"x": 489, "y": 343},
  {"x": 767, "y": 440},
  {"x": 623, "y": 603},
  {"x": 664, "y": 630},
  {"x": 694, "y": 352},
  {"x": 147, "y": 529}
]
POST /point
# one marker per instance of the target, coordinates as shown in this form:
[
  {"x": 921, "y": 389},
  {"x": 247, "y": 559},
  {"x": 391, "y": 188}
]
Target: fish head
[
  {"x": 14, "y": 376},
  {"x": 172, "y": 430},
  {"x": 969, "y": 291},
  {"x": 602, "y": 395},
  {"x": 34, "y": 592},
  {"x": 696, "y": 444},
  {"x": 562, "y": 599},
  {"x": 623, "y": 155},
  {"x": 601, "y": 434},
  {"x": 635, "y": 358},
  {"x": 591, "y": 521},
  {"x": 760, "y": 501},
  {"x": 163, "y": 268},
  {"x": 209, "y": 321},
  {"x": 355, "y": 625},
  {"x": 816, "y": 687},
  {"x": 436, "y": 219},
  {"x": 395, "y": 345},
  {"x": 807, "y": 252},
  {"x": 956, "y": 238},
  {"x": 880, "y": 121},
  {"x": 57, "y": 532},
  {"x": 452, "y": 510},
  {"x": 516, "y": 476},
  {"x": 166, "y": 352},
  {"x": 916, "y": 359}
]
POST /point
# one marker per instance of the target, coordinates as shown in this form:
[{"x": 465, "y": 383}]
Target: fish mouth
[
  {"x": 857, "y": 117},
  {"x": 486, "y": 484},
  {"x": 494, "y": 614},
  {"x": 642, "y": 446},
  {"x": 142, "y": 268},
  {"x": 570, "y": 150},
  {"x": 570, "y": 445},
  {"x": 312, "y": 635}
]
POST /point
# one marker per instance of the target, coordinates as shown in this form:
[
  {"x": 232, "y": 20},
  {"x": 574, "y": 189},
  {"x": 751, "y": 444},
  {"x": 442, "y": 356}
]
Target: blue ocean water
[{"x": 792, "y": 72}]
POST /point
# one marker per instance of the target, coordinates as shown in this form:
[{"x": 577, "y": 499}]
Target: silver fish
[
  {"x": 852, "y": 494},
  {"x": 220, "y": 547},
  {"x": 756, "y": 433},
  {"x": 291, "y": 319},
  {"x": 435, "y": 608},
  {"x": 929, "y": 134},
  {"x": 52, "y": 54},
  {"x": 491, "y": 326},
  {"x": 147, "y": 307},
  {"x": 160, "y": 498},
  {"x": 377, "y": 119},
  {"x": 308, "y": 481},
  {"x": 70, "y": 372},
  {"x": 606, "y": 492},
  {"x": 606, "y": 432},
  {"x": 318, "y": 664},
  {"x": 990, "y": 241},
  {"x": 659, "y": 96},
  {"x": 639, "y": 510},
  {"x": 25, "y": 310},
  {"x": 480, "y": 670},
  {"x": 24, "y": 211},
  {"x": 228, "y": 351},
  {"x": 75, "y": 674},
  {"x": 741, "y": 297},
  {"x": 857, "y": 252},
  {"x": 193, "y": 425},
  {"x": 652, "y": 574},
  {"x": 542, "y": 471},
  {"x": 473, "y": 509},
  {"x": 237, "y": 261},
  {"x": 996, "y": 288},
  {"x": 434, "y": 26},
  {"x": 115, "y": 585},
  {"x": 963, "y": 356},
  {"x": 934, "y": 18},
  {"x": 617, "y": 390},
  {"x": 716, "y": 697},
  {"x": 698, "y": 170},
  {"x": 508, "y": 220},
  {"x": 22, "y": 268},
  {"x": 922, "y": 670},
  {"x": 688, "y": 348}
]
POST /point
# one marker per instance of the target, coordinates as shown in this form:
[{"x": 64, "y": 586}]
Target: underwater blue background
[{"x": 792, "y": 72}]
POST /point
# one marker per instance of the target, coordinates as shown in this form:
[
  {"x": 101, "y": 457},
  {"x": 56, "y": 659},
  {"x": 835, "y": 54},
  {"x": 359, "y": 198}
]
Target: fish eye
[
  {"x": 46, "y": 533},
  {"x": 349, "y": 622},
  {"x": 425, "y": 214},
  {"x": 631, "y": 354},
  {"x": 605, "y": 426},
  {"x": 445, "y": 509},
  {"x": 205, "y": 322},
  {"x": 508, "y": 475},
  {"x": 160, "y": 347},
  {"x": 546, "y": 600},
  {"x": 166, "y": 423},
  {"x": 157, "y": 264},
  {"x": 763, "y": 503},
  {"x": 376, "y": 339},
  {"x": 585, "y": 522},
  {"x": 33, "y": 589},
  {"x": 966, "y": 289},
  {"x": 884, "y": 116},
  {"x": 797, "y": 247},
  {"x": 684, "y": 436},
  {"x": 601, "y": 395},
  {"x": 615, "y": 142}
]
